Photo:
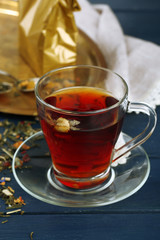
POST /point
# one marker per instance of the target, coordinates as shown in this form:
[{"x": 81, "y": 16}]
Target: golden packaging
[{"x": 48, "y": 33}]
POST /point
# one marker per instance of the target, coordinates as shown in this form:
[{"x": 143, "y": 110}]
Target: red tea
[{"x": 81, "y": 142}]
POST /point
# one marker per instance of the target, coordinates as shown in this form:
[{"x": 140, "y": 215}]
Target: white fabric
[{"x": 137, "y": 61}]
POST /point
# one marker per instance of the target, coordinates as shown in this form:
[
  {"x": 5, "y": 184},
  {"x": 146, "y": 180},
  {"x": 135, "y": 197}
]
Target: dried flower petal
[
  {"x": 11, "y": 189},
  {"x": 6, "y": 179},
  {"x": 17, "y": 144},
  {"x": 7, "y": 192},
  {"x": 19, "y": 200},
  {"x": 62, "y": 125}
]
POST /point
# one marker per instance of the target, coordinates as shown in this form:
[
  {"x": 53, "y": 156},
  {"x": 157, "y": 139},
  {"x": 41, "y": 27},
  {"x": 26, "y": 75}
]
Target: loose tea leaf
[
  {"x": 11, "y": 137},
  {"x": 4, "y": 221},
  {"x": 31, "y": 235}
]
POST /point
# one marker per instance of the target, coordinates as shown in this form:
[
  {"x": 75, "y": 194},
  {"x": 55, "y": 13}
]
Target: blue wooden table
[{"x": 137, "y": 217}]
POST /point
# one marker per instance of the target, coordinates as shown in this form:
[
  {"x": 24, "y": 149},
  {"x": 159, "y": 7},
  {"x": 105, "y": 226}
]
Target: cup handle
[{"x": 144, "y": 135}]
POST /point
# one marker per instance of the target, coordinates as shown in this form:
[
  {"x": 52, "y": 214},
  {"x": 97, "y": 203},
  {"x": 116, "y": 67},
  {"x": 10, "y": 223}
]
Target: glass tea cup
[{"x": 81, "y": 110}]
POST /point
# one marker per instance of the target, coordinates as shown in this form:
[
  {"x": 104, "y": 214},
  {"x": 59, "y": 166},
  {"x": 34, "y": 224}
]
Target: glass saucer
[{"x": 33, "y": 176}]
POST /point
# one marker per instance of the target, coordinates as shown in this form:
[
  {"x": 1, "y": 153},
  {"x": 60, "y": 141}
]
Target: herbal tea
[{"x": 81, "y": 144}]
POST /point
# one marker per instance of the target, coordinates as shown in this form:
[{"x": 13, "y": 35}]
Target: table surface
[{"x": 137, "y": 217}]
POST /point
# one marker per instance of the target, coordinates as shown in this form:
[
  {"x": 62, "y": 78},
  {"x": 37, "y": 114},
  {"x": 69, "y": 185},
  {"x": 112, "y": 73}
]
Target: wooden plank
[
  {"x": 138, "y": 18},
  {"x": 130, "y": 4},
  {"x": 142, "y": 25},
  {"x": 82, "y": 226}
]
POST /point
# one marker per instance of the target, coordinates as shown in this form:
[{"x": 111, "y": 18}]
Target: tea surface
[{"x": 81, "y": 99}]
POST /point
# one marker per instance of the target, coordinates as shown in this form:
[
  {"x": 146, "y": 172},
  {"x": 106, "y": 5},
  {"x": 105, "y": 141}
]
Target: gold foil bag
[{"x": 47, "y": 33}]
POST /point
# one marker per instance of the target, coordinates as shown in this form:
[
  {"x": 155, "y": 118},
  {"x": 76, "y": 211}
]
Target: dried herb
[
  {"x": 5, "y": 87},
  {"x": 2, "y": 214},
  {"x": 27, "y": 85},
  {"x": 7, "y": 194},
  {"x": 14, "y": 211},
  {"x": 12, "y": 135},
  {"x": 11, "y": 138},
  {"x": 31, "y": 235},
  {"x": 5, "y": 221}
]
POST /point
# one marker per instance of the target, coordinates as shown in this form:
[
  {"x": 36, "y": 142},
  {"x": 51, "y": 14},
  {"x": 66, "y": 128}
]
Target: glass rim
[{"x": 76, "y": 112}]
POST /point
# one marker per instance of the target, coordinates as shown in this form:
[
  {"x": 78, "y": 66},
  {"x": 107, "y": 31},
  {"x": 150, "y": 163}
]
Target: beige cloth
[{"x": 137, "y": 61}]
